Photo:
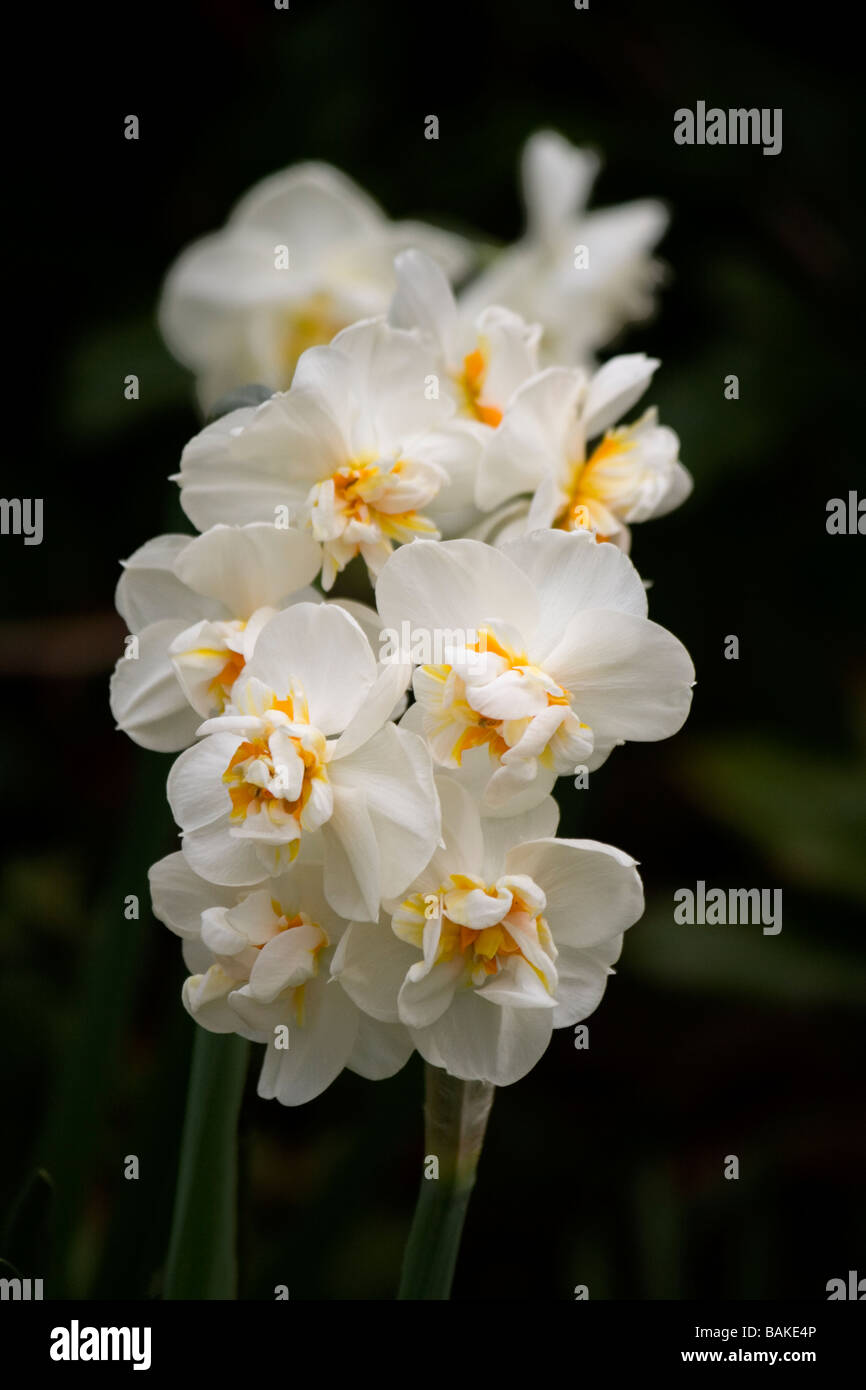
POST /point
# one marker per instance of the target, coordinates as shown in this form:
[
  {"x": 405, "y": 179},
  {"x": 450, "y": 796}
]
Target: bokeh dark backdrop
[{"x": 605, "y": 1166}]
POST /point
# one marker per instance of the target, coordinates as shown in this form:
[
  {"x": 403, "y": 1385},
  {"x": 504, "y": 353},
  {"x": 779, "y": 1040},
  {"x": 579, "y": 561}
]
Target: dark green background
[{"x": 602, "y": 1167}]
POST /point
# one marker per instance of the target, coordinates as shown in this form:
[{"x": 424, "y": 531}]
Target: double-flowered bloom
[
  {"x": 507, "y": 934},
  {"x": 561, "y": 665},
  {"x": 307, "y": 752},
  {"x": 195, "y": 607},
  {"x": 560, "y": 441},
  {"x": 260, "y": 966},
  {"x": 363, "y": 451}
]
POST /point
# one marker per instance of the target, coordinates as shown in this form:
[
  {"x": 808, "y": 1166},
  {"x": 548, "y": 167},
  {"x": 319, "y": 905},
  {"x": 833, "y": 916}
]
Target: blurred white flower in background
[
  {"x": 583, "y": 275},
  {"x": 234, "y": 312}
]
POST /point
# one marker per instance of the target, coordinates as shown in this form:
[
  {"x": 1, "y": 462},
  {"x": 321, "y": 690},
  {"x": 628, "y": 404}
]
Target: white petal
[
  {"x": 207, "y": 290},
  {"x": 214, "y": 853},
  {"x": 309, "y": 206},
  {"x": 324, "y": 648},
  {"x": 478, "y": 1041},
  {"x": 593, "y": 890},
  {"x": 149, "y": 588},
  {"x": 179, "y": 896},
  {"x": 352, "y": 865},
  {"x": 463, "y": 850},
  {"x": 146, "y": 698},
  {"x": 571, "y": 571},
  {"x": 391, "y": 682},
  {"x": 537, "y": 436},
  {"x": 557, "y": 178},
  {"x": 205, "y": 997},
  {"x": 249, "y": 567},
  {"x": 248, "y": 463},
  {"x": 512, "y": 349},
  {"x": 317, "y": 1051},
  {"x": 391, "y": 367},
  {"x": 582, "y": 980},
  {"x": 459, "y": 585},
  {"x": 380, "y": 1050},
  {"x": 393, "y": 771},
  {"x": 628, "y": 677},
  {"x": 196, "y": 792},
  {"x": 423, "y": 300},
  {"x": 517, "y": 987},
  {"x": 457, "y": 449},
  {"x": 285, "y": 961},
  {"x": 371, "y": 964},
  {"x": 615, "y": 388},
  {"x": 476, "y": 770},
  {"x": 679, "y": 488},
  {"x": 502, "y": 833},
  {"x": 254, "y": 918},
  {"x": 426, "y": 994}
]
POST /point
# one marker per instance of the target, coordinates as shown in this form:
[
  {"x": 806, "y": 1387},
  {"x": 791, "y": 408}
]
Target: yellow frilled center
[
  {"x": 478, "y": 730},
  {"x": 471, "y": 383},
  {"x": 221, "y": 685},
  {"x": 486, "y": 949},
  {"x": 248, "y": 798},
  {"x": 594, "y": 484}
]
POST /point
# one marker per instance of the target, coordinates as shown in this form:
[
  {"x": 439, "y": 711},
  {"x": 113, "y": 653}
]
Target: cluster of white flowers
[{"x": 358, "y": 878}]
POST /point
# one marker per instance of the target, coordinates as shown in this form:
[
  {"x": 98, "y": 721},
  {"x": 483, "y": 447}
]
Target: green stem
[
  {"x": 455, "y": 1119},
  {"x": 202, "y": 1260}
]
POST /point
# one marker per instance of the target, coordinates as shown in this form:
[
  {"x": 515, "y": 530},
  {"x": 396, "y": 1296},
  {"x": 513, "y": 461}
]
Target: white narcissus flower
[
  {"x": 196, "y": 606},
  {"x": 480, "y": 362},
  {"x": 305, "y": 753},
  {"x": 361, "y": 450},
  {"x": 559, "y": 663},
  {"x": 260, "y": 960},
  {"x": 630, "y": 473},
  {"x": 507, "y": 934},
  {"x": 583, "y": 298},
  {"x": 234, "y": 312}
]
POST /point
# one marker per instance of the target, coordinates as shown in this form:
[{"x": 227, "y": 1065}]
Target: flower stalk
[
  {"x": 455, "y": 1121},
  {"x": 202, "y": 1256}
]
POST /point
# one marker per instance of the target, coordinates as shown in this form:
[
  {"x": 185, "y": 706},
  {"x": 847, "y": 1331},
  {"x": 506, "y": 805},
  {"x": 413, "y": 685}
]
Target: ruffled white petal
[
  {"x": 318, "y": 1050},
  {"x": 628, "y": 677},
  {"x": 150, "y": 589},
  {"x": 179, "y": 896},
  {"x": 393, "y": 772},
  {"x": 456, "y": 585},
  {"x": 593, "y": 890},
  {"x": 478, "y": 1041},
  {"x": 570, "y": 572},
  {"x": 146, "y": 700},
  {"x": 249, "y": 567},
  {"x": 614, "y": 389},
  {"x": 321, "y": 646},
  {"x": 538, "y": 436}
]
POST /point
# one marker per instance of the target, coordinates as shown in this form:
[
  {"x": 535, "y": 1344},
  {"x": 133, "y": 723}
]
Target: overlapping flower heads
[{"x": 368, "y": 860}]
